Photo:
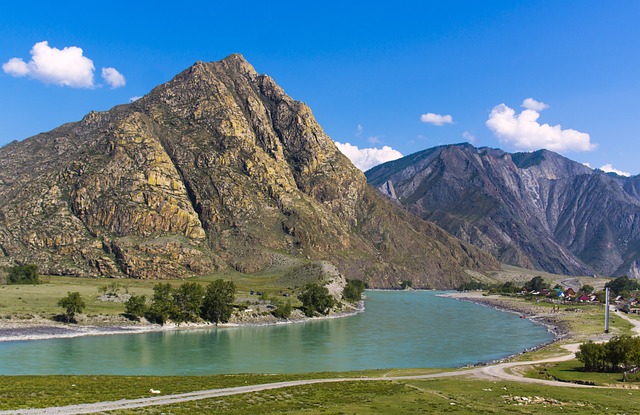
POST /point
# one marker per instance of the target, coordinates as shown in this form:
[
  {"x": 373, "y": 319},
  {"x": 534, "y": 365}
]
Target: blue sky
[{"x": 374, "y": 74}]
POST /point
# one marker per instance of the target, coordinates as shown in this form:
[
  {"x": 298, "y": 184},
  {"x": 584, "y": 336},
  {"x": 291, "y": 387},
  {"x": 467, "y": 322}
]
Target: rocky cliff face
[
  {"x": 536, "y": 210},
  {"x": 216, "y": 168}
]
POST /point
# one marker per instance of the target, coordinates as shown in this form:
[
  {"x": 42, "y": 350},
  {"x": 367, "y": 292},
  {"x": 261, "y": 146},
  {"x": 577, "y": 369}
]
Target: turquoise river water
[{"x": 400, "y": 329}]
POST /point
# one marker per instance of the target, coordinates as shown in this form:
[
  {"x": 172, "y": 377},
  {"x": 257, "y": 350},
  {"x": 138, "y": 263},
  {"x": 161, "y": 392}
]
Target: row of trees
[
  {"x": 534, "y": 284},
  {"x": 189, "y": 302},
  {"x": 622, "y": 352}
]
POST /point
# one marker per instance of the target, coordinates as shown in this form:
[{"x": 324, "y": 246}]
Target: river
[{"x": 400, "y": 329}]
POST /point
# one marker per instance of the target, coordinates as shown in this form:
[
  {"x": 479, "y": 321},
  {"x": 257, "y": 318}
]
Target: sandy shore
[{"x": 38, "y": 328}]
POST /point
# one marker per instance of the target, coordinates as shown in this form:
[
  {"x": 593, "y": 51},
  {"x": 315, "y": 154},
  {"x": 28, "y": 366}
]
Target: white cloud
[
  {"x": 373, "y": 139},
  {"x": 469, "y": 137},
  {"x": 15, "y": 67},
  {"x": 588, "y": 165},
  {"x": 359, "y": 130},
  {"x": 63, "y": 67},
  {"x": 608, "y": 168},
  {"x": 532, "y": 104},
  {"x": 134, "y": 99},
  {"x": 112, "y": 77},
  {"x": 436, "y": 119},
  {"x": 366, "y": 158},
  {"x": 523, "y": 132}
]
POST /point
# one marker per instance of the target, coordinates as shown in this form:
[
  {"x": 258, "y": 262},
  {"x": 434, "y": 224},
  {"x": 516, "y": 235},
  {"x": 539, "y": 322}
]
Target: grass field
[{"x": 458, "y": 395}]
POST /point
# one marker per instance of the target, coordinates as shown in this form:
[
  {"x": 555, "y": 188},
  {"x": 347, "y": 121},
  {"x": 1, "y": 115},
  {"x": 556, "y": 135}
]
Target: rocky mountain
[
  {"x": 216, "y": 169},
  {"x": 536, "y": 210}
]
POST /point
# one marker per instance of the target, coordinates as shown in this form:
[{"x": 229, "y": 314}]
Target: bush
[
  {"x": 73, "y": 304},
  {"x": 23, "y": 274},
  {"x": 283, "y": 310}
]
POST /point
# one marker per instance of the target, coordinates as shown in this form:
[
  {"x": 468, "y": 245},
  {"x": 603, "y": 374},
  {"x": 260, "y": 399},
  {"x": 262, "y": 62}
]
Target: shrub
[{"x": 283, "y": 310}]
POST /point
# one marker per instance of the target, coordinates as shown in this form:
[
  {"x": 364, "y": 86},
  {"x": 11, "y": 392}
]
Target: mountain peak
[
  {"x": 218, "y": 168},
  {"x": 533, "y": 209}
]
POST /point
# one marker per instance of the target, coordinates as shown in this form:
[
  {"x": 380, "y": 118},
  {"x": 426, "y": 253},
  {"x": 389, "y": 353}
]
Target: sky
[{"x": 382, "y": 79}]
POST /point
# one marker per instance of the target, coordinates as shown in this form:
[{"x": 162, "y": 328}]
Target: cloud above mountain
[
  {"x": 608, "y": 168},
  {"x": 524, "y": 132},
  {"x": 63, "y": 67},
  {"x": 366, "y": 158}
]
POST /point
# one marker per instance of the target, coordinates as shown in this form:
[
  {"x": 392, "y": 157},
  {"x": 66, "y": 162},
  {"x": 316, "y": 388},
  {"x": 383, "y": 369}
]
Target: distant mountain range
[
  {"x": 536, "y": 210},
  {"x": 216, "y": 169}
]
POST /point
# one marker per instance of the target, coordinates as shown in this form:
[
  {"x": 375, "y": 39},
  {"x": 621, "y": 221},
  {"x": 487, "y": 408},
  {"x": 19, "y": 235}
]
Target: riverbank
[
  {"x": 34, "y": 327},
  {"x": 554, "y": 322}
]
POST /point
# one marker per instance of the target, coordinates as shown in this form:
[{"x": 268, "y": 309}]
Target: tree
[
  {"x": 406, "y": 284},
  {"x": 162, "y": 307},
  {"x": 73, "y": 304},
  {"x": 587, "y": 289},
  {"x": 218, "y": 301},
  {"x": 592, "y": 355},
  {"x": 136, "y": 306},
  {"x": 188, "y": 302},
  {"x": 353, "y": 290},
  {"x": 23, "y": 274},
  {"x": 536, "y": 284},
  {"x": 316, "y": 299}
]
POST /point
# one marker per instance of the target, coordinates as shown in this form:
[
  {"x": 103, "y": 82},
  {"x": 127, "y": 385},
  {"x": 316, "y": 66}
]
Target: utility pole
[{"x": 606, "y": 311}]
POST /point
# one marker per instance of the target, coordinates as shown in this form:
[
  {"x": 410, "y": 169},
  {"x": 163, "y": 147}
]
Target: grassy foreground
[{"x": 448, "y": 395}]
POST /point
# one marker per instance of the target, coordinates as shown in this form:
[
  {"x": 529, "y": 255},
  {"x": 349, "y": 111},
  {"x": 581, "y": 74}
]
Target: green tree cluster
[
  {"x": 536, "y": 284},
  {"x": 316, "y": 300},
  {"x": 622, "y": 285},
  {"x": 73, "y": 304},
  {"x": 23, "y": 274},
  {"x": 621, "y": 352},
  {"x": 353, "y": 290},
  {"x": 189, "y": 302}
]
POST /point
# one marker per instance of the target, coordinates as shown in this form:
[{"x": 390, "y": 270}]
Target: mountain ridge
[{"x": 536, "y": 210}]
